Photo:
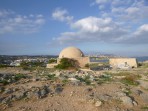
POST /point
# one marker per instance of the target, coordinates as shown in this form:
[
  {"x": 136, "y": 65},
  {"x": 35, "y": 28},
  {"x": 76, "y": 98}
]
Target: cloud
[
  {"x": 4, "y": 13},
  {"x": 62, "y": 15},
  {"x": 119, "y": 22},
  {"x": 134, "y": 10},
  {"x": 10, "y": 22},
  {"x": 92, "y": 29},
  {"x": 140, "y": 35}
]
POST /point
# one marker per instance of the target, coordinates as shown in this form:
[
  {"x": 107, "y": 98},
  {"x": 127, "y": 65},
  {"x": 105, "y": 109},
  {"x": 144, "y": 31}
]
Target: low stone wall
[
  {"x": 51, "y": 65},
  {"x": 115, "y": 62}
]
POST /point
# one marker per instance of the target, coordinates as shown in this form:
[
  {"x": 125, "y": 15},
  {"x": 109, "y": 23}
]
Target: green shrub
[
  {"x": 65, "y": 81},
  {"x": 19, "y": 76},
  {"x": 31, "y": 65},
  {"x": 86, "y": 79},
  {"x": 66, "y": 63},
  {"x": 3, "y": 66},
  {"x": 52, "y": 61},
  {"x": 144, "y": 108},
  {"x": 51, "y": 76},
  {"x": 130, "y": 80},
  {"x": 87, "y": 65},
  {"x": 4, "y": 82}
]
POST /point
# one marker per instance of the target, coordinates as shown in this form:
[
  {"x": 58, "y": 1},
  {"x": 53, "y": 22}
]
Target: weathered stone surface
[
  {"x": 19, "y": 95},
  {"x": 8, "y": 91},
  {"x": 98, "y": 103},
  {"x": 127, "y": 101},
  {"x": 143, "y": 84},
  {"x": 58, "y": 90},
  {"x": 43, "y": 92},
  {"x": 137, "y": 92},
  {"x": 144, "y": 97},
  {"x": 105, "y": 97}
]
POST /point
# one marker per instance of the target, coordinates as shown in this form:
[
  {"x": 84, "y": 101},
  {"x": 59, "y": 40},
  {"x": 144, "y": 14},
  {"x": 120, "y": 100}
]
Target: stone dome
[{"x": 71, "y": 52}]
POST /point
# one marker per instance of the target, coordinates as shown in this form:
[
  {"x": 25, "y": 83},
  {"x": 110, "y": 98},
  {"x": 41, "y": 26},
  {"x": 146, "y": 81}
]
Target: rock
[
  {"x": 37, "y": 94},
  {"x": 135, "y": 103},
  {"x": 105, "y": 97},
  {"x": 44, "y": 79},
  {"x": 89, "y": 89},
  {"x": 137, "y": 92},
  {"x": 127, "y": 101},
  {"x": 143, "y": 84},
  {"x": 144, "y": 97},
  {"x": 2, "y": 89},
  {"x": 19, "y": 95},
  {"x": 92, "y": 101},
  {"x": 8, "y": 91},
  {"x": 120, "y": 94},
  {"x": 29, "y": 94},
  {"x": 98, "y": 103},
  {"x": 91, "y": 95},
  {"x": 57, "y": 74},
  {"x": 58, "y": 90},
  {"x": 43, "y": 92},
  {"x": 7, "y": 100}
]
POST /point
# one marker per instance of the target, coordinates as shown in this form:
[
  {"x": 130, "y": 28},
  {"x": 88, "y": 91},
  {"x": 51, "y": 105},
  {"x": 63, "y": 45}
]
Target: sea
[
  {"x": 139, "y": 59},
  {"x": 142, "y": 59}
]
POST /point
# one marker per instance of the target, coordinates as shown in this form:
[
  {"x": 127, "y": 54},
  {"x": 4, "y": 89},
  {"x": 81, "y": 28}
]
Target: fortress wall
[
  {"x": 51, "y": 65},
  {"x": 114, "y": 62}
]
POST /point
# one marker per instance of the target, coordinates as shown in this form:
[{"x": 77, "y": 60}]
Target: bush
[
  {"x": 130, "y": 80},
  {"x": 31, "y": 65},
  {"x": 87, "y": 65},
  {"x": 4, "y": 82},
  {"x": 86, "y": 79},
  {"x": 66, "y": 63},
  {"x": 3, "y": 66},
  {"x": 52, "y": 61},
  {"x": 51, "y": 76},
  {"x": 19, "y": 76}
]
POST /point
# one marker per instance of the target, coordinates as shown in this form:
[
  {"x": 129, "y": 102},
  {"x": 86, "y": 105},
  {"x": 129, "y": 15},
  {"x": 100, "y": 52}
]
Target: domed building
[{"x": 72, "y": 53}]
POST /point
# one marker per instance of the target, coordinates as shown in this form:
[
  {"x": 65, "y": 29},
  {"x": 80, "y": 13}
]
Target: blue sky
[{"x": 31, "y": 27}]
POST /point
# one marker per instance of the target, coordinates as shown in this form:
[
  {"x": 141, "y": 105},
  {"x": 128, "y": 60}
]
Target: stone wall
[
  {"x": 51, "y": 65},
  {"x": 115, "y": 62}
]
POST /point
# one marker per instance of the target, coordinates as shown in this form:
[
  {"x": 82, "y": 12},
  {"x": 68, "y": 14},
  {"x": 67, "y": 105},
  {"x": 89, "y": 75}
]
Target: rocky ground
[{"x": 83, "y": 90}]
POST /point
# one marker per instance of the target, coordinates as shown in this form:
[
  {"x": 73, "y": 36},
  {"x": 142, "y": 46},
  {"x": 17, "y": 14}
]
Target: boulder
[
  {"x": 98, "y": 103},
  {"x": 127, "y": 101},
  {"x": 144, "y": 97},
  {"x": 143, "y": 84}
]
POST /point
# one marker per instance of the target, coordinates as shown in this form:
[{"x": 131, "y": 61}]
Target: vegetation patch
[
  {"x": 31, "y": 65},
  {"x": 65, "y": 81},
  {"x": 144, "y": 107},
  {"x": 86, "y": 79},
  {"x": 19, "y": 76},
  {"x": 66, "y": 63},
  {"x": 51, "y": 76},
  {"x": 106, "y": 77},
  {"x": 130, "y": 80},
  {"x": 52, "y": 61},
  {"x": 11, "y": 78},
  {"x": 3, "y": 65},
  {"x": 4, "y": 82}
]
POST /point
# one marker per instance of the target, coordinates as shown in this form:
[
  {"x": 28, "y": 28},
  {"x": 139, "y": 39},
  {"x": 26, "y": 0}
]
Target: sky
[{"x": 45, "y": 27}]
